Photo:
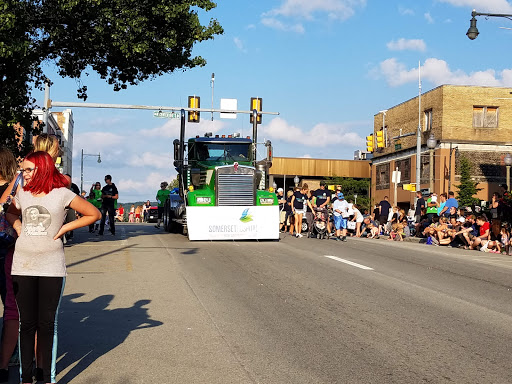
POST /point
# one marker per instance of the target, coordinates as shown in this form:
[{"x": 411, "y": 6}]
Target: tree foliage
[
  {"x": 467, "y": 187},
  {"x": 351, "y": 187},
  {"x": 124, "y": 41}
]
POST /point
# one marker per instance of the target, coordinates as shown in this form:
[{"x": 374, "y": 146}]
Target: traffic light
[
  {"x": 380, "y": 139},
  {"x": 256, "y": 103},
  {"x": 369, "y": 143},
  {"x": 193, "y": 102}
]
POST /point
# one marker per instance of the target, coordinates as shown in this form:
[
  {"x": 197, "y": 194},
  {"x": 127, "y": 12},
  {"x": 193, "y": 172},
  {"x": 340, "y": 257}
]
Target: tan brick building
[{"x": 475, "y": 122}]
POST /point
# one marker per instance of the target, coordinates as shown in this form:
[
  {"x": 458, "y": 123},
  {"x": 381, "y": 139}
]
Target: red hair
[{"x": 46, "y": 177}]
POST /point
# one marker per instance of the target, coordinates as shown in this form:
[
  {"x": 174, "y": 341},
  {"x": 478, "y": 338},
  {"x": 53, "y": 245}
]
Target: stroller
[{"x": 320, "y": 223}]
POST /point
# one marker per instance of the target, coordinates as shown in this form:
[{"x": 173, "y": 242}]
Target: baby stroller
[{"x": 320, "y": 224}]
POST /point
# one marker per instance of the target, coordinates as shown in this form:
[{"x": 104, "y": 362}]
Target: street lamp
[
  {"x": 82, "y": 168},
  {"x": 508, "y": 162},
  {"x": 296, "y": 180},
  {"x": 431, "y": 144},
  {"x": 212, "y": 83},
  {"x": 472, "y": 32}
]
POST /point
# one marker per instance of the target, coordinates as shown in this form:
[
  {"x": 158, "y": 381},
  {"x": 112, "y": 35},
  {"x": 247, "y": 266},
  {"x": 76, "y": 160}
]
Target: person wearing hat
[
  {"x": 340, "y": 212},
  {"x": 161, "y": 197},
  {"x": 282, "y": 213}
]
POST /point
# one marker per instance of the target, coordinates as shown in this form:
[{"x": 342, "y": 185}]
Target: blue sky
[{"x": 328, "y": 66}]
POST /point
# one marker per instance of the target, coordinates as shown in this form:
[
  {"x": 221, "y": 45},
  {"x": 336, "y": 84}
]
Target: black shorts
[{"x": 160, "y": 212}]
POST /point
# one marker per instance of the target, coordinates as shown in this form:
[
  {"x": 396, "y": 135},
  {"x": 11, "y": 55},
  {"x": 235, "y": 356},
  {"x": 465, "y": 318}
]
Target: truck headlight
[
  {"x": 203, "y": 200},
  {"x": 266, "y": 201}
]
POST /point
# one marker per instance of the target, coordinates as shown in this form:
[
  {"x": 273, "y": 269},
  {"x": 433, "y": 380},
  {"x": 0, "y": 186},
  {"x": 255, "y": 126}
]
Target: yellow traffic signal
[
  {"x": 369, "y": 143},
  {"x": 256, "y": 104},
  {"x": 380, "y": 139},
  {"x": 193, "y": 102}
]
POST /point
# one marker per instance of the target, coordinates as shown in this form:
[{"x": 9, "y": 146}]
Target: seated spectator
[
  {"x": 482, "y": 240},
  {"x": 430, "y": 229},
  {"x": 120, "y": 213},
  {"x": 424, "y": 223},
  {"x": 504, "y": 241},
  {"x": 402, "y": 219},
  {"x": 370, "y": 228}
]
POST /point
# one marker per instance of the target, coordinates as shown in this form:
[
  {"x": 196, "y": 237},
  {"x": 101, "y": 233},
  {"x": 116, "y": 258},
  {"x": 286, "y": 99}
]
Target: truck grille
[{"x": 235, "y": 188}]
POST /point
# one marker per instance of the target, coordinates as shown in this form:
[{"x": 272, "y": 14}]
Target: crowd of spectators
[{"x": 437, "y": 219}]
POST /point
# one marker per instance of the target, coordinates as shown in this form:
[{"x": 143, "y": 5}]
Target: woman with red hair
[{"x": 39, "y": 267}]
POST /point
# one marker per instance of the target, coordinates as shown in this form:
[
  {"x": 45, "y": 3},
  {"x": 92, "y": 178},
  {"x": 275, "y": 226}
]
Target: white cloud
[
  {"x": 151, "y": 182},
  {"x": 491, "y": 6},
  {"x": 407, "y": 44},
  {"x": 405, "y": 11},
  {"x": 94, "y": 142},
  {"x": 429, "y": 18},
  {"x": 150, "y": 159},
  {"x": 171, "y": 129},
  {"x": 335, "y": 9},
  {"x": 321, "y": 135},
  {"x": 438, "y": 72},
  {"x": 306, "y": 156},
  {"x": 240, "y": 44},
  {"x": 279, "y": 25}
]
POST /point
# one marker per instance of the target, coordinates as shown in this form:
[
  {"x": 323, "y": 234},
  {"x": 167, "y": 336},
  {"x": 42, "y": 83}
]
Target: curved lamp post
[
  {"x": 431, "y": 144},
  {"x": 82, "y": 168},
  {"x": 508, "y": 162},
  {"x": 472, "y": 32}
]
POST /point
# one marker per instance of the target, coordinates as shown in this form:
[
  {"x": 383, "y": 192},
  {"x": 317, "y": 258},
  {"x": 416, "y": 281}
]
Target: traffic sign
[{"x": 167, "y": 115}]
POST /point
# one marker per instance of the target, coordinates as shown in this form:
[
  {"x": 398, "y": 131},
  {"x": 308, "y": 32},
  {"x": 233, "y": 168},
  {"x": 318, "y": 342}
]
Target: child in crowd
[{"x": 504, "y": 241}]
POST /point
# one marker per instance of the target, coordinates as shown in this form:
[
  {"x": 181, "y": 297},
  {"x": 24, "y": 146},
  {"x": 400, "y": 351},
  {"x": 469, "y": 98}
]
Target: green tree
[
  {"x": 352, "y": 187},
  {"x": 174, "y": 183},
  {"x": 124, "y": 41},
  {"x": 467, "y": 187}
]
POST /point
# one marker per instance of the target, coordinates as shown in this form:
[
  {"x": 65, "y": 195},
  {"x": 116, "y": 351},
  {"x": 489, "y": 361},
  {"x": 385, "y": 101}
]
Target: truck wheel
[{"x": 166, "y": 216}]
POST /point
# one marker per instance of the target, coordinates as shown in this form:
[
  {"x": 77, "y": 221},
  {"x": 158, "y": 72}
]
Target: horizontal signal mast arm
[{"x": 66, "y": 104}]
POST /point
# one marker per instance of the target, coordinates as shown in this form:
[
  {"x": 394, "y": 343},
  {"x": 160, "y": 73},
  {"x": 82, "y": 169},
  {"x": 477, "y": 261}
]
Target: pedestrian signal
[
  {"x": 256, "y": 104},
  {"x": 369, "y": 143},
  {"x": 380, "y": 139},
  {"x": 194, "y": 102}
]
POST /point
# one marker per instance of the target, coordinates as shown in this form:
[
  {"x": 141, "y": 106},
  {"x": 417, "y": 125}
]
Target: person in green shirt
[
  {"x": 432, "y": 205},
  {"x": 161, "y": 197},
  {"x": 95, "y": 199}
]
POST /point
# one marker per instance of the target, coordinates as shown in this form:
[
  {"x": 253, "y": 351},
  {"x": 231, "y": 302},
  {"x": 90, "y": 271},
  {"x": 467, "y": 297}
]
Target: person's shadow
[{"x": 88, "y": 330}]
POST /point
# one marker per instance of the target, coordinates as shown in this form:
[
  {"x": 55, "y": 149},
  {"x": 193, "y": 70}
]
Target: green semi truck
[{"x": 223, "y": 191}]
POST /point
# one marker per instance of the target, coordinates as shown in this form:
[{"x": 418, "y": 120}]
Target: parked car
[{"x": 153, "y": 215}]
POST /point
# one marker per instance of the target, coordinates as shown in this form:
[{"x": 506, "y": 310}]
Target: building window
[
  {"x": 485, "y": 117},
  {"x": 428, "y": 120},
  {"x": 382, "y": 176},
  {"x": 404, "y": 166}
]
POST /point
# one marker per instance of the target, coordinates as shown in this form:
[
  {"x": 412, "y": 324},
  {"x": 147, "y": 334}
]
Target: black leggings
[{"x": 38, "y": 300}]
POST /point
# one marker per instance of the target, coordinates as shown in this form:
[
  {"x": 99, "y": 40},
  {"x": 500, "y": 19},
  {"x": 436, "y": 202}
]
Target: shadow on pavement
[
  {"x": 88, "y": 330},
  {"x": 123, "y": 231}
]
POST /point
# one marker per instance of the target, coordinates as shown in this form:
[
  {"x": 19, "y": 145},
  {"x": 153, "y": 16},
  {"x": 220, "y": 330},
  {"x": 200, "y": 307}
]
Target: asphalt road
[{"x": 152, "y": 307}]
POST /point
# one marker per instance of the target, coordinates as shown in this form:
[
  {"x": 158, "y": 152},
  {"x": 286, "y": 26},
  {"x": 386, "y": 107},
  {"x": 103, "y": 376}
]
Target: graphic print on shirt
[{"x": 37, "y": 219}]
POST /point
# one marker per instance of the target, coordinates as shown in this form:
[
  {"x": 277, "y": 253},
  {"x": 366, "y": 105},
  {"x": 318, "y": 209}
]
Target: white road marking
[{"x": 350, "y": 263}]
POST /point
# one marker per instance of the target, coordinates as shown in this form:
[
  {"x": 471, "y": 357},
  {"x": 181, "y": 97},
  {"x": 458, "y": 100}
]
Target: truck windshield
[{"x": 222, "y": 152}]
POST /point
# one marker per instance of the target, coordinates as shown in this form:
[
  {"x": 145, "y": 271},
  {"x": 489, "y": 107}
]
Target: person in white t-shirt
[
  {"x": 39, "y": 265},
  {"x": 340, "y": 211}
]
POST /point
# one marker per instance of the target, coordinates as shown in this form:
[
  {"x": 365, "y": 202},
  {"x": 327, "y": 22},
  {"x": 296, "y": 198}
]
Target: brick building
[
  {"x": 61, "y": 124},
  {"x": 475, "y": 122}
]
